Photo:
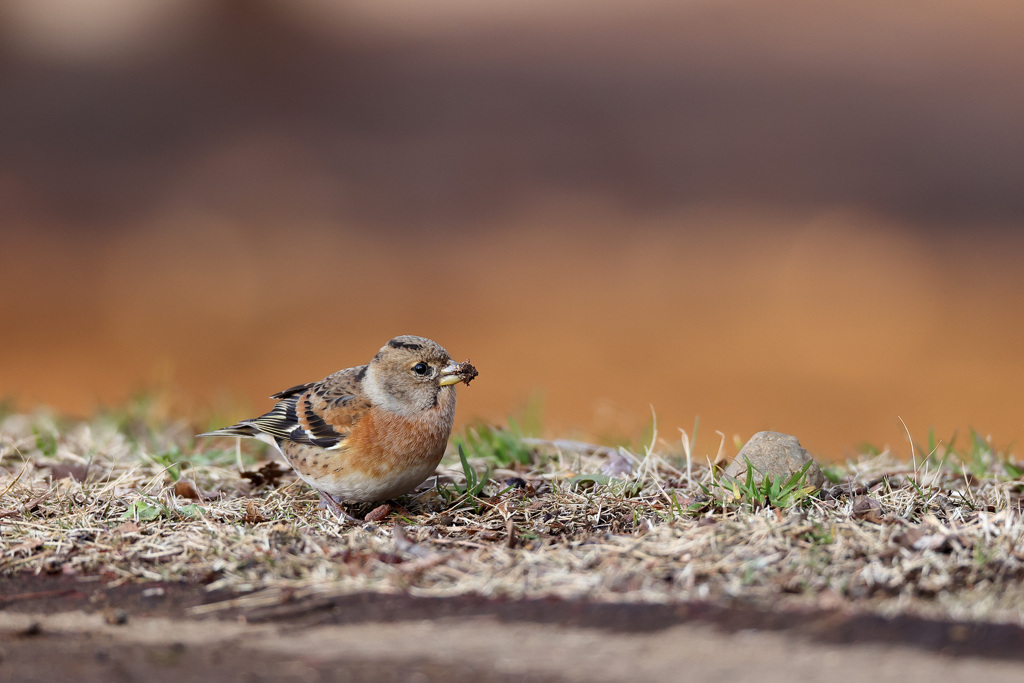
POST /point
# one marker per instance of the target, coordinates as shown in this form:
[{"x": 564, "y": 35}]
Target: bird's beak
[{"x": 453, "y": 373}]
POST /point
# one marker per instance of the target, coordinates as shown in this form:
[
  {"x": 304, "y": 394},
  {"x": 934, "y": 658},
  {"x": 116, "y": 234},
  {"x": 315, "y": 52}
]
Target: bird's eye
[{"x": 421, "y": 369}]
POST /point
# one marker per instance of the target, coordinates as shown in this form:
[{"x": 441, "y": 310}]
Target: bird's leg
[{"x": 328, "y": 502}]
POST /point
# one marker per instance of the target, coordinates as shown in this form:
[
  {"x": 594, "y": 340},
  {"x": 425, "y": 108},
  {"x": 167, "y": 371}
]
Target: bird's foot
[{"x": 327, "y": 502}]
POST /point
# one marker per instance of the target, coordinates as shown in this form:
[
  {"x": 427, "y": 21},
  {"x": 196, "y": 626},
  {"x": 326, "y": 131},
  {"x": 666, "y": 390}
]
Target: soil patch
[{"x": 122, "y": 603}]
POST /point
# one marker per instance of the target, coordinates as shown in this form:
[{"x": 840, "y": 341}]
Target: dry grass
[{"x": 941, "y": 537}]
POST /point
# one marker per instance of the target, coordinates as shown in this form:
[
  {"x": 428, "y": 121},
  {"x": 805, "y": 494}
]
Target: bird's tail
[{"x": 240, "y": 429}]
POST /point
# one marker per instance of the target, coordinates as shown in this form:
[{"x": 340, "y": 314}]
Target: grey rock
[{"x": 779, "y": 456}]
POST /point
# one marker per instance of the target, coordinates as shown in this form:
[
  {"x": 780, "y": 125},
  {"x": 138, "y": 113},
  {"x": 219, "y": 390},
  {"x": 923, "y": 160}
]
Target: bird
[{"x": 367, "y": 433}]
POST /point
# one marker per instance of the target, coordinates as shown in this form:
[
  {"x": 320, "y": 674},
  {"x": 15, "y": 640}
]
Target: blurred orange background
[{"x": 800, "y": 216}]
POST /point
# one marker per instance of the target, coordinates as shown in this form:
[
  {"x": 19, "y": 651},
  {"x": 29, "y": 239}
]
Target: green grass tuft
[{"x": 768, "y": 493}]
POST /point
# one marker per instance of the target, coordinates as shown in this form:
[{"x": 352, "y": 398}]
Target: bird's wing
[
  {"x": 297, "y": 389},
  {"x": 319, "y": 413}
]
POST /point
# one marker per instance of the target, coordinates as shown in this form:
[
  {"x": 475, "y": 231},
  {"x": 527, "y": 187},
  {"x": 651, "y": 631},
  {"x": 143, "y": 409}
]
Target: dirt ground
[{"x": 58, "y": 628}]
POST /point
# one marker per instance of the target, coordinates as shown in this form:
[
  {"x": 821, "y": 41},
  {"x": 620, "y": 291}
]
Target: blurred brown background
[{"x": 802, "y": 216}]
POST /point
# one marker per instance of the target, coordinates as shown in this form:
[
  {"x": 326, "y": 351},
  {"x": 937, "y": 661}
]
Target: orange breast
[{"x": 382, "y": 443}]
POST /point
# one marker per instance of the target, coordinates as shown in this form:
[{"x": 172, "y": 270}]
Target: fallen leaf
[
  {"x": 129, "y": 527},
  {"x": 868, "y": 509},
  {"x": 684, "y": 501},
  {"x": 187, "y": 489},
  {"x": 617, "y": 465},
  {"x": 252, "y": 514},
  {"x": 255, "y": 478},
  {"x": 70, "y": 469},
  {"x": 378, "y": 513},
  {"x": 268, "y": 474}
]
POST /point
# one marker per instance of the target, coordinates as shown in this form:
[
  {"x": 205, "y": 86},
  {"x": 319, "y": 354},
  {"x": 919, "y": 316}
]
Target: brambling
[{"x": 368, "y": 433}]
